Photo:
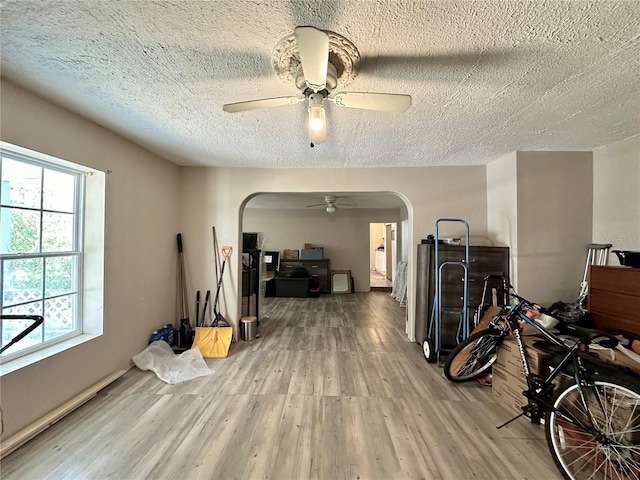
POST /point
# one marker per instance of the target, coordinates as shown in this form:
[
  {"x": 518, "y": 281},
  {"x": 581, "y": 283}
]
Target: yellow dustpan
[{"x": 213, "y": 342}]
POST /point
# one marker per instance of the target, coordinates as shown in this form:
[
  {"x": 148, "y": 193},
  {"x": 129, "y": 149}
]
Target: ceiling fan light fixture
[
  {"x": 331, "y": 209},
  {"x": 317, "y": 118},
  {"x": 318, "y": 62}
]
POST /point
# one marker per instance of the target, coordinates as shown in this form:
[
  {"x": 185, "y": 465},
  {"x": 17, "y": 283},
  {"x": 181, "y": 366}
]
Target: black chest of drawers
[{"x": 318, "y": 269}]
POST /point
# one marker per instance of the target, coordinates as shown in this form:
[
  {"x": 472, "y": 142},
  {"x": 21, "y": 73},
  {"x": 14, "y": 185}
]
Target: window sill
[{"x": 35, "y": 357}]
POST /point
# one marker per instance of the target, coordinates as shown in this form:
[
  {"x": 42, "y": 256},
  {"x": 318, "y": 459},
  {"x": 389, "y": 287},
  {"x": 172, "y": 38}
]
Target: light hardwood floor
[
  {"x": 376, "y": 279},
  {"x": 331, "y": 389}
]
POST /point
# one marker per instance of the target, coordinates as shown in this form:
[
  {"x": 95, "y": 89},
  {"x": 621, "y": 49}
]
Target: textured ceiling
[{"x": 486, "y": 77}]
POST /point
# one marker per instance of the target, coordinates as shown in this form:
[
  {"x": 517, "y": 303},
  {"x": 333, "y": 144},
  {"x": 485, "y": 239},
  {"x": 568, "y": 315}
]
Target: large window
[{"x": 40, "y": 249}]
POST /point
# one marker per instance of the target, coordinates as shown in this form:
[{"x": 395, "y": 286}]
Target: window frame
[{"x": 87, "y": 249}]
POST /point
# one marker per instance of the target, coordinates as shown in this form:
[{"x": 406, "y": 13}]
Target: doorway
[{"x": 382, "y": 255}]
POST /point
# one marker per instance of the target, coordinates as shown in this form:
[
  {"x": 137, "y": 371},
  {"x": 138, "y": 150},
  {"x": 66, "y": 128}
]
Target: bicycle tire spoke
[
  {"x": 595, "y": 431},
  {"x": 473, "y": 356}
]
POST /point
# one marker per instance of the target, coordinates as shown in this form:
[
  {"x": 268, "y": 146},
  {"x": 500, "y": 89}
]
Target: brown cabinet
[
  {"x": 318, "y": 269},
  {"x": 614, "y": 299},
  {"x": 483, "y": 261}
]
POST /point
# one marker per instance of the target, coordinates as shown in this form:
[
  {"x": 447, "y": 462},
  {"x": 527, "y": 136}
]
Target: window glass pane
[
  {"x": 21, "y": 184},
  {"x": 39, "y": 217},
  {"x": 59, "y": 191},
  {"x": 20, "y": 231},
  {"x": 57, "y": 232},
  {"x": 12, "y": 328},
  {"x": 59, "y": 275},
  {"x": 59, "y": 315},
  {"x": 22, "y": 281}
]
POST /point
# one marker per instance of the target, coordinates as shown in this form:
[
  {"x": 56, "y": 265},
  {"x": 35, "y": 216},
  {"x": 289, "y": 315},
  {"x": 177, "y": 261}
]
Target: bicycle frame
[{"x": 539, "y": 390}]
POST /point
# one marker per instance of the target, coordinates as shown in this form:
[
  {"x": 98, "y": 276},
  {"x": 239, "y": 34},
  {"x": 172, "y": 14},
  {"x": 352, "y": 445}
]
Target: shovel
[
  {"x": 214, "y": 341},
  {"x": 217, "y": 317}
]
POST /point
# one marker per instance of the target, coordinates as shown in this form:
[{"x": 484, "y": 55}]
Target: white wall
[
  {"x": 616, "y": 195},
  {"x": 405, "y": 241},
  {"x": 216, "y": 197},
  {"x": 554, "y": 223},
  {"x": 502, "y": 207},
  {"x": 344, "y": 235},
  {"x": 140, "y": 252},
  {"x": 540, "y": 205}
]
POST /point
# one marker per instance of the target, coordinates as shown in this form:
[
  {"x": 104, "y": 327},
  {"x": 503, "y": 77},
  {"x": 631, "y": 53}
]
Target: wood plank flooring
[{"x": 331, "y": 389}]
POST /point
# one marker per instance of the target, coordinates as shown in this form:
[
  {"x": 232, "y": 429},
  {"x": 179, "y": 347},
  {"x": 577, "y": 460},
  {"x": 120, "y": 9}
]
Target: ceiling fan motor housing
[{"x": 332, "y": 81}]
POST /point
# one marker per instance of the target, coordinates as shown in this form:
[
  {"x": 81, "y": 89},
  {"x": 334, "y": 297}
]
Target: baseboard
[{"x": 23, "y": 436}]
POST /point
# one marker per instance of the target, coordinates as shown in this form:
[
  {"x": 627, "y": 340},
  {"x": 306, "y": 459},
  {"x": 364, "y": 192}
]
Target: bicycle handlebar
[{"x": 586, "y": 335}]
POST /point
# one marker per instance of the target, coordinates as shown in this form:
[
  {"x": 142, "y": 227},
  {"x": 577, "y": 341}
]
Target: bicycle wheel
[
  {"x": 609, "y": 449},
  {"x": 474, "y": 356}
]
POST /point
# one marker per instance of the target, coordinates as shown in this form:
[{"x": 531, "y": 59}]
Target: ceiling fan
[
  {"x": 331, "y": 204},
  {"x": 317, "y": 75}
]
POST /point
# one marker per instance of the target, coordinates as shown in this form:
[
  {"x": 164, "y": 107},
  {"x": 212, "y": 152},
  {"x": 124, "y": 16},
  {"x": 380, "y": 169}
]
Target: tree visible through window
[{"x": 40, "y": 250}]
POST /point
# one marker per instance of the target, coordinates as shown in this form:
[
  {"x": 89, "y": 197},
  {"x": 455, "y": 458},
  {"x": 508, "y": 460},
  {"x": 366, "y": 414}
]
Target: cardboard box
[
  {"x": 510, "y": 364},
  {"x": 509, "y": 389},
  {"x": 518, "y": 384},
  {"x": 508, "y": 357},
  {"x": 290, "y": 254}
]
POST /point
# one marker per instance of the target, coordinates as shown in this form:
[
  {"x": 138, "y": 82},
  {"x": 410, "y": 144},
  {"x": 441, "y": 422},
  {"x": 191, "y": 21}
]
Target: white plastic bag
[{"x": 169, "y": 367}]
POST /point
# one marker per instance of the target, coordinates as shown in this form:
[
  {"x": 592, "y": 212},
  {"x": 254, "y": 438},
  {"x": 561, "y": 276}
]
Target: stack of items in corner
[
  {"x": 309, "y": 252},
  {"x": 289, "y": 254},
  {"x": 508, "y": 375}
]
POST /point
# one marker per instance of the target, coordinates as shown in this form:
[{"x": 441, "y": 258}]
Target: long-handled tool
[
  {"x": 37, "y": 319},
  {"x": 197, "y": 307},
  {"x": 204, "y": 310},
  {"x": 217, "y": 317},
  {"x": 214, "y": 341},
  {"x": 185, "y": 324}
]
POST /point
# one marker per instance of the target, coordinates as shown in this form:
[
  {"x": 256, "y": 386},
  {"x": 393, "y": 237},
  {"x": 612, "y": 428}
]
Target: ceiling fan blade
[
  {"x": 313, "y": 47},
  {"x": 383, "y": 102},
  {"x": 316, "y": 205},
  {"x": 263, "y": 103},
  {"x": 339, "y": 204}
]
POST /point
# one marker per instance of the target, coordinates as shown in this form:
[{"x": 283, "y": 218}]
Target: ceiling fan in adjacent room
[
  {"x": 331, "y": 204},
  {"x": 318, "y": 62}
]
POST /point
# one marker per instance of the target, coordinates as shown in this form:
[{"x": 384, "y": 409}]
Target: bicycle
[{"x": 591, "y": 419}]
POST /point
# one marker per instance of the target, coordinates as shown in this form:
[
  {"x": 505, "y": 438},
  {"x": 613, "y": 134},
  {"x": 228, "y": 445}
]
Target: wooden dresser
[
  {"x": 614, "y": 299},
  {"x": 318, "y": 269},
  {"x": 483, "y": 261}
]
